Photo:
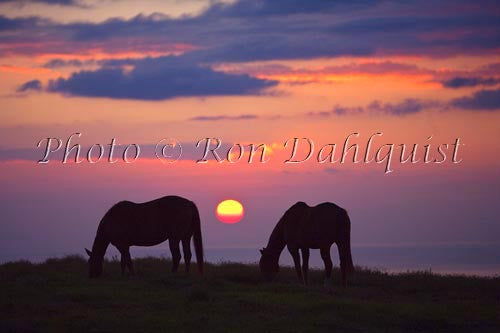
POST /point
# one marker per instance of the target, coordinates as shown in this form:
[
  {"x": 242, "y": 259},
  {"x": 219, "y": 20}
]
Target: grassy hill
[{"x": 57, "y": 296}]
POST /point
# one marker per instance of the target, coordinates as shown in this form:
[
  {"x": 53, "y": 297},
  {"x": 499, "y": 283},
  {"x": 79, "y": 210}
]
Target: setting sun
[{"x": 229, "y": 211}]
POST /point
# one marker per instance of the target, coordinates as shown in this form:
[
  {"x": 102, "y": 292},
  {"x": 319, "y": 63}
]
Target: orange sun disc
[{"x": 229, "y": 211}]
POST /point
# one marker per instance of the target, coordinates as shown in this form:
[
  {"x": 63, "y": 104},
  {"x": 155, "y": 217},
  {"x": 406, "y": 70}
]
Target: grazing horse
[
  {"x": 147, "y": 224},
  {"x": 303, "y": 228}
]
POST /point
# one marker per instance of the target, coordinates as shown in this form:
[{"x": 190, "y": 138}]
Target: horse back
[
  {"x": 315, "y": 227},
  {"x": 151, "y": 222}
]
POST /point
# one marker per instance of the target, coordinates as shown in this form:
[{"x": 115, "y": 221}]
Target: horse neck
[
  {"x": 101, "y": 243},
  {"x": 277, "y": 242}
]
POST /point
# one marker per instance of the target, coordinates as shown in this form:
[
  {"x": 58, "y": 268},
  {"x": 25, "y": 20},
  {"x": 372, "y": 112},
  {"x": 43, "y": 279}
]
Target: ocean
[{"x": 477, "y": 259}]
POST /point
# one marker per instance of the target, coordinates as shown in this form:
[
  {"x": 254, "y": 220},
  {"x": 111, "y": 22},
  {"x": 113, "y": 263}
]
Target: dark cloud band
[{"x": 158, "y": 79}]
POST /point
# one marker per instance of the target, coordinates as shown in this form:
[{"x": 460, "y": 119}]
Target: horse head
[
  {"x": 95, "y": 264},
  {"x": 268, "y": 264}
]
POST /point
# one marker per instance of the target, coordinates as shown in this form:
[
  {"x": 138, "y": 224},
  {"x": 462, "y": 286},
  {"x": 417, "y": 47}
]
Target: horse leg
[
  {"x": 123, "y": 260},
  {"x": 325, "y": 255},
  {"x": 343, "y": 264},
  {"x": 176, "y": 254},
  {"x": 294, "y": 251},
  {"x": 123, "y": 263},
  {"x": 186, "y": 249},
  {"x": 130, "y": 265},
  {"x": 305, "y": 264}
]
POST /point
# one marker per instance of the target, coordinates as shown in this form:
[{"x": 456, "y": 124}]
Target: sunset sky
[{"x": 249, "y": 72}]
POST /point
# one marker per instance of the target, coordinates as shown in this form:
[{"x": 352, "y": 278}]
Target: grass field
[{"x": 57, "y": 296}]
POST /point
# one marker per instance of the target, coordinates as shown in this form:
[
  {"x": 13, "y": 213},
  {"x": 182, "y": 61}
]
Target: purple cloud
[
  {"x": 247, "y": 30},
  {"x": 483, "y": 100},
  {"x": 460, "y": 82},
  {"x": 225, "y": 117},
  {"x": 403, "y": 108},
  {"x": 251, "y": 31},
  {"x": 75, "y": 3},
  {"x": 158, "y": 79},
  {"x": 34, "y": 85}
]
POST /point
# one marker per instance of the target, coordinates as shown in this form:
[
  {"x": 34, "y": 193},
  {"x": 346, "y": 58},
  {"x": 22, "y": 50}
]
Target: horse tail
[
  {"x": 198, "y": 244},
  {"x": 346, "y": 257}
]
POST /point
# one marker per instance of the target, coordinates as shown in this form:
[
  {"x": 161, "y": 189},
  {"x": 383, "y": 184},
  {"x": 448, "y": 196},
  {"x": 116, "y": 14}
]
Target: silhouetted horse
[
  {"x": 303, "y": 227},
  {"x": 147, "y": 224}
]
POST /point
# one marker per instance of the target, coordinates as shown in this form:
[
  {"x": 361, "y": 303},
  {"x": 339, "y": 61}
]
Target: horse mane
[
  {"x": 101, "y": 240},
  {"x": 276, "y": 242}
]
